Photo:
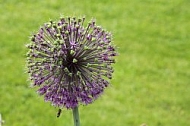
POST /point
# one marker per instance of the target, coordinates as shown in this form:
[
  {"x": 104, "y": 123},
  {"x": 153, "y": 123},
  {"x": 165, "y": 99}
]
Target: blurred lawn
[{"x": 152, "y": 74}]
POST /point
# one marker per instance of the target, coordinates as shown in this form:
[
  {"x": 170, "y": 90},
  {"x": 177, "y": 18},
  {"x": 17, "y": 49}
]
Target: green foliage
[{"x": 152, "y": 73}]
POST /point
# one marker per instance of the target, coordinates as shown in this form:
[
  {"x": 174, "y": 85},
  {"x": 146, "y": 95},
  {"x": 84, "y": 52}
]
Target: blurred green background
[{"x": 152, "y": 74}]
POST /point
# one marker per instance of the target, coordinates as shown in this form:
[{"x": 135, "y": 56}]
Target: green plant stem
[{"x": 76, "y": 117}]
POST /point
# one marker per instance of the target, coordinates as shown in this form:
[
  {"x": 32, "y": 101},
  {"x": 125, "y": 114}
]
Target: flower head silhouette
[{"x": 70, "y": 63}]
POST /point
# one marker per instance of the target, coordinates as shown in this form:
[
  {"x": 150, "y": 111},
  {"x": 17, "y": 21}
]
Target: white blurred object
[
  {"x": 143, "y": 124},
  {"x": 1, "y": 121}
]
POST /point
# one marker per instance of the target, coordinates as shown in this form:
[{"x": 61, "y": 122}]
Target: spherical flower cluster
[{"x": 70, "y": 63}]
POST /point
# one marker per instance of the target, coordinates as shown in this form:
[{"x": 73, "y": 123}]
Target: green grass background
[{"x": 151, "y": 83}]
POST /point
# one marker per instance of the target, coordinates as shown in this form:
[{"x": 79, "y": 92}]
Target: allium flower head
[{"x": 70, "y": 63}]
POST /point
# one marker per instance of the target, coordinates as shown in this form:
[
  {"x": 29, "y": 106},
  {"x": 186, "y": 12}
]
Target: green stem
[{"x": 76, "y": 117}]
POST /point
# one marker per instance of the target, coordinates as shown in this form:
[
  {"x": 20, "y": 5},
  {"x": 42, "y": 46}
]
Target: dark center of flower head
[{"x": 70, "y": 63}]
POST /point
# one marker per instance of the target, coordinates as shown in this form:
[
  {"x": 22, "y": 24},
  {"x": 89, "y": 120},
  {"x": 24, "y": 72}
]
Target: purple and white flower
[{"x": 70, "y": 63}]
